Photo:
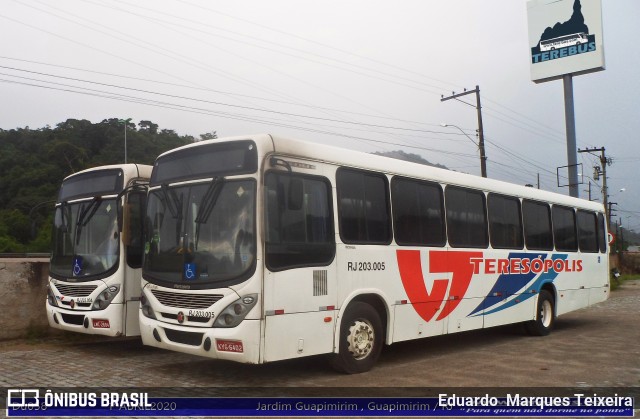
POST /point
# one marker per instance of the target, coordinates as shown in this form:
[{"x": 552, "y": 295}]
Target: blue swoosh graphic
[{"x": 514, "y": 283}]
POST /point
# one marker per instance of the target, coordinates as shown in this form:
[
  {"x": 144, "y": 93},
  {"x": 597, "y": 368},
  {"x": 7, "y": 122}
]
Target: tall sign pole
[{"x": 570, "y": 124}]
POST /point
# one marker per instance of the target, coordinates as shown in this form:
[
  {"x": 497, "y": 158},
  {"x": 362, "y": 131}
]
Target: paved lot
[{"x": 595, "y": 347}]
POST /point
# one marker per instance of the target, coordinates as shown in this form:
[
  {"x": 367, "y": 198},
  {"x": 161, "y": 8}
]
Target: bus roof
[
  {"x": 268, "y": 144},
  {"x": 132, "y": 170}
]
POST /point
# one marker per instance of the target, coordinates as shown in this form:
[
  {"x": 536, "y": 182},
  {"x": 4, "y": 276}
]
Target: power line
[{"x": 173, "y": 96}]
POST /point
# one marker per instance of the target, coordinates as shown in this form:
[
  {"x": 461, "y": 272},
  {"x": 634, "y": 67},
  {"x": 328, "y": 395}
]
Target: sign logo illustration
[{"x": 564, "y": 39}]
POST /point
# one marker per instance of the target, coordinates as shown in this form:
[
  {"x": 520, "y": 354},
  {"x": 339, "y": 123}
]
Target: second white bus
[
  {"x": 96, "y": 258},
  {"x": 262, "y": 248}
]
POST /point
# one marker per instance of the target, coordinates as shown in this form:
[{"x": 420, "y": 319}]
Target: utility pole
[
  {"x": 589, "y": 190},
  {"x": 604, "y": 161},
  {"x": 125, "y": 122},
  {"x": 483, "y": 157}
]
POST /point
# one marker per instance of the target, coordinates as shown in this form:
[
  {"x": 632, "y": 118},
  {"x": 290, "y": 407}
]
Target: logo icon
[
  {"x": 180, "y": 317},
  {"x": 23, "y": 397}
]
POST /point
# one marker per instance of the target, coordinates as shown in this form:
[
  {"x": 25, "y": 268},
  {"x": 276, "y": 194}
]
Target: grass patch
[{"x": 615, "y": 283}]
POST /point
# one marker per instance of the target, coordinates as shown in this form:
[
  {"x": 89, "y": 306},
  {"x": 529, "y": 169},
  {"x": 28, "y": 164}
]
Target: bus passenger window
[
  {"x": 564, "y": 229},
  {"x": 418, "y": 213},
  {"x": 363, "y": 207},
  {"x": 505, "y": 222},
  {"x": 466, "y": 217},
  {"x": 602, "y": 236},
  {"x": 536, "y": 218},
  {"x": 587, "y": 231}
]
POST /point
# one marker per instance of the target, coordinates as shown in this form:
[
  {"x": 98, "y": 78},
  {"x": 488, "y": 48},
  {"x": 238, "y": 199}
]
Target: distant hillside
[{"x": 401, "y": 155}]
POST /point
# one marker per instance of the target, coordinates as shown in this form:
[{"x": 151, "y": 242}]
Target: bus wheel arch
[
  {"x": 545, "y": 315},
  {"x": 361, "y": 335}
]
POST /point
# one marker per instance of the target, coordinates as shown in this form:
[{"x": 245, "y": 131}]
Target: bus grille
[
  {"x": 187, "y": 338},
  {"x": 75, "y": 290},
  {"x": 72, "y": 319},
  {"x": 181, "y": 300}
]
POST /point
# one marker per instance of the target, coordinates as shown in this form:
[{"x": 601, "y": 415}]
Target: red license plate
[
  {"x": 101, "y": 324},
  {"x": 229, "y": 346}
]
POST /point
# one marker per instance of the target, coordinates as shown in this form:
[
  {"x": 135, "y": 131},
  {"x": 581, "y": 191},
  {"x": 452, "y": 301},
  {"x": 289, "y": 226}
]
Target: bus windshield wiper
[
  {"x": 171, "y": 200},
  {"x": 175, "y": 207},
  {"x": 86, "y": 215},
  {"x": 63, "y": 219},
  {"x": 208, "y": 203}
]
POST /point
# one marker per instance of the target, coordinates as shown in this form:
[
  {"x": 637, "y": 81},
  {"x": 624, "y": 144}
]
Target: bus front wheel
[
  {"x": 545, "y": 316},
  {"x": 360, "y": 339}
]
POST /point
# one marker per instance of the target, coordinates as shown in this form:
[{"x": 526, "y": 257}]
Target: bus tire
[
  {"x": 545, "y": 315},
  {"x": 360, "y": 339}
]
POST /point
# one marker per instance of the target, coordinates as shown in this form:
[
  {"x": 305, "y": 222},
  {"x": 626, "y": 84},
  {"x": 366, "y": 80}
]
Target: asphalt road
[{"x": 597, "y": 347}]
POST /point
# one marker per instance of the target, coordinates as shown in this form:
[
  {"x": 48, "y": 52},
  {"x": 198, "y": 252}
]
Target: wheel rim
[
  {"x": 546, "y": 313},
  {"x": 360, "y": 339}
]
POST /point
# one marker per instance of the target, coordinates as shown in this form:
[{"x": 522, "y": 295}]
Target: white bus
[
  {"x": 96, "y": 257},
  {"x": 564, "y": 41},
  {"x": 262, "y": 248}
]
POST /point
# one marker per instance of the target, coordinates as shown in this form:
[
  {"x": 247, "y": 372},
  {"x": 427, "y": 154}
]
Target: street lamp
[
  {"x": 125, "y": 122},
  {"x": 483, "y": 157}
]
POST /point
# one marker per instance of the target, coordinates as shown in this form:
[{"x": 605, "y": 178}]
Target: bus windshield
[
  {"x": 85, "y": 239},
  {"x": 201, "y": 235}
]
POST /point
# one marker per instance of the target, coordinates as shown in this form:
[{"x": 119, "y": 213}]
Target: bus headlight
[
  {"x": 105, "y": 297},
  {"x": 51, "y": 297},
  {"x": 236, "y": 311},
  {"x": 145, "y": 307}
]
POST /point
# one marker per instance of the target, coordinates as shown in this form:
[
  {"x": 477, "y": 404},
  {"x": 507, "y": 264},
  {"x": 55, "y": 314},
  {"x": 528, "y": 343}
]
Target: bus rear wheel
[
  {"x": 545, "y": 316},
  {"x": 360, "y": 339}
]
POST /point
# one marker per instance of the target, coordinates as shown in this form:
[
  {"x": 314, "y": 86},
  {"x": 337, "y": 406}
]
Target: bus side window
[
  {"x": 466, "y": 217},
  {"x": 564, "y": 228},
  {"x": 602, "y": 236},
  {"x": 363, "y": 207},
  {"x": 298, "y": 217},
  {"x": 587, "y": 231},
  {"x": 418, "y": 212},
  {"x": 505, "y": 222},
  {"x": 536, "y": 218},
  {"x": 136, "y": 203}
]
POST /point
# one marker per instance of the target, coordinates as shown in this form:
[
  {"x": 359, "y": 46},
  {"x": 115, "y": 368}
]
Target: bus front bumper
[
  {"x": 240, "y": 343},
  {"x": 107, "y": 322}
]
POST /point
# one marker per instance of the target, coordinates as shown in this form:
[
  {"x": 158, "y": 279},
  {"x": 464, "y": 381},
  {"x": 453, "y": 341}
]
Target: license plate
[
  {"x": 101, "y": 324},
  {"x": 229, "y": 346}
]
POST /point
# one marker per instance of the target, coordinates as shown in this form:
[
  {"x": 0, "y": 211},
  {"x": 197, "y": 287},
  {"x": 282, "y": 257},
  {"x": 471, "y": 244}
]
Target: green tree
[{"x": 33, "y": 164}]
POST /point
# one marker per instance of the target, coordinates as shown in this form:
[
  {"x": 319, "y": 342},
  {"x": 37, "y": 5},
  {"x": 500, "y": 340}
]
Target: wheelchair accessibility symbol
[
  {"x": 189, "y": 271},
  {"x": 77, "y": 266}
]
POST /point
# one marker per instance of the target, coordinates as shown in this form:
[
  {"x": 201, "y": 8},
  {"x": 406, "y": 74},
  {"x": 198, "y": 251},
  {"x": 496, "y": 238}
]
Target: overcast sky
[{"x": 362, "y": 74}]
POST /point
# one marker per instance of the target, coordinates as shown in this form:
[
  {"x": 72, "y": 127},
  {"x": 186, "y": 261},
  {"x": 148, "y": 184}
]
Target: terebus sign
[{"x": 565, "y": 37}]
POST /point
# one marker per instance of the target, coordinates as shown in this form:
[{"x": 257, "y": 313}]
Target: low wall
[{"x": 23, "y": 291}]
